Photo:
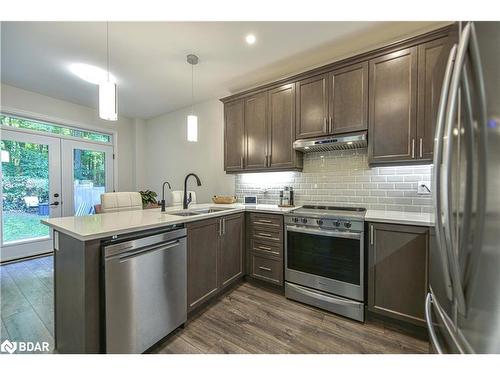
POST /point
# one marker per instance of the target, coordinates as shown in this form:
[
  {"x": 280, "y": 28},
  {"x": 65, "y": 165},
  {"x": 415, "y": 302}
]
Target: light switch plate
[{"x": 424, "y": 188}]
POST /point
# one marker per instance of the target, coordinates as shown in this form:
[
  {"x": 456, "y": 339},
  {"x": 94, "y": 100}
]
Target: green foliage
[
  {"x": 89, "y": 165},
  {"x": 26, "y": 174},
  {"x": 21, "y": 123},
  {"x": 148, "y": 197},
  {"x": 21, "y": 225}
]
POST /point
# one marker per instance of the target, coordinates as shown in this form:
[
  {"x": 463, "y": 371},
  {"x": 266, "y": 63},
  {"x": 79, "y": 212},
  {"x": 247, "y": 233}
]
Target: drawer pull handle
[
  {"x": 265, "y": 234},
  {"x": 264, "y": 248},
  {"x": 264, "y": 221},
  {"x": 264, "y": 268}
]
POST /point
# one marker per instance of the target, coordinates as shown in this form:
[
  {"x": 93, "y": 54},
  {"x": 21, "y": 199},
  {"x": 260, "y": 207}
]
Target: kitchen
[{"x": 335, "y": 205}]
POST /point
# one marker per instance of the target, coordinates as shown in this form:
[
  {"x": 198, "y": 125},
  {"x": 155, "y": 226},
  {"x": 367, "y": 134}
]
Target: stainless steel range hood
[{"x": 334, "y": 142}]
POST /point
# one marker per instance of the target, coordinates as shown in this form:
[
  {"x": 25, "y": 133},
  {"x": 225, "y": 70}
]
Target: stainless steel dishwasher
[{"x": 145, "y": 281}]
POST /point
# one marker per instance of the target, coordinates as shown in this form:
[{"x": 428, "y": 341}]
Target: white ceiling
[{"x": 149, "y": 58}]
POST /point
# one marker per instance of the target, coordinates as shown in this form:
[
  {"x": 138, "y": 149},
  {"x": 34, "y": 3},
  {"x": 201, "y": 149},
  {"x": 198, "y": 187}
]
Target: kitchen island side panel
[{"x": 77, "y": 296}]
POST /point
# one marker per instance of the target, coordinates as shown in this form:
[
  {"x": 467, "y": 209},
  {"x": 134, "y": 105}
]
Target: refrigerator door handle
[
  {"x": 430, "y": 324},
  {"x": 451, "y": 116},
  {"x": 438, "y": 157},
  {"x": 470, "y": 156},
  {"x": 482, "y": 153}
]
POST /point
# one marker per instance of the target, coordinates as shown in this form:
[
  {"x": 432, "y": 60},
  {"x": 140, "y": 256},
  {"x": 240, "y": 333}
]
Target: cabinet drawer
[
  {"x": 268, "y": 235},
  {"x": 271, "y": 222},
  {"x": 267, "y": 269},
  {"x": 266, "y": 247}
]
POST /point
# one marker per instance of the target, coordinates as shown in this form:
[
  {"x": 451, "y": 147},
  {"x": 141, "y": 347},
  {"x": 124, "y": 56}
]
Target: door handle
[
  {"x": 438, "y": 159},
  {"x": 371, "y": 234},
  {"x": 330, "y": 125},
  {"x": 430, "y": 324},
  {"x": 241, "y": 162},
  {"x": 56, "y": 203},
  {"x": 421, "y": 148},
  {"x": 324, "y": 125},
  {"x": 413, "y": 148}
]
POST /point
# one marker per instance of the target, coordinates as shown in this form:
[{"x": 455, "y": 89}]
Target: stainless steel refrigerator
[{"x": 463, "y": 305}]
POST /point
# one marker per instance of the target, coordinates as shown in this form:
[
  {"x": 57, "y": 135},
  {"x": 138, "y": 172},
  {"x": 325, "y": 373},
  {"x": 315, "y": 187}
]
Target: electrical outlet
[{"x": 424, "y": 188}]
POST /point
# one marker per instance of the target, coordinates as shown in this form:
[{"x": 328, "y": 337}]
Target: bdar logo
[{"x": 8, "y": 346}]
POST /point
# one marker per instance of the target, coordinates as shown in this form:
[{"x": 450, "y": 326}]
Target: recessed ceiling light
[
  {"x": 91, "y": 73},
  {"x": 250, "y": 39}
]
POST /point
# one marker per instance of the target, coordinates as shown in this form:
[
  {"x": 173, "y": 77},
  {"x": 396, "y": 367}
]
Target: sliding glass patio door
[
  {"x": 31, "y": 191},
  {"x": 87, "y": 172}
]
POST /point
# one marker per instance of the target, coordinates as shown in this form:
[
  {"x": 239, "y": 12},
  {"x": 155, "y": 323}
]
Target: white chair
[
  {"x": 178, "y": 196},
  {"x": 121, "y": 201}
]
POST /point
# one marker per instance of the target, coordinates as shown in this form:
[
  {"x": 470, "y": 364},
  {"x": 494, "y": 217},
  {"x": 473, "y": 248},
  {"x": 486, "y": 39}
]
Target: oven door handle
[{"x": 323, "y": 232}]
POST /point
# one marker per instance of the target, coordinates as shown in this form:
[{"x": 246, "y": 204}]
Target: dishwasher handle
[{"x": 123, "y": 257}]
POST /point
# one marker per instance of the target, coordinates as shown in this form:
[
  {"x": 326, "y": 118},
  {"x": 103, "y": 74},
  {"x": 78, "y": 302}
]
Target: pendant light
[
  {"x": 107, "y": 91},
  {"x": 192, "y": 119}
]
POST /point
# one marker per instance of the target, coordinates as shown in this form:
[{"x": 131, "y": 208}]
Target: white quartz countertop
[
  {"x": 399, "y": 217},
  {"x": 92, "y": 227}
]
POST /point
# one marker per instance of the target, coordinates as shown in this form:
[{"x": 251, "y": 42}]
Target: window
[{"x": 21, "y": 123}]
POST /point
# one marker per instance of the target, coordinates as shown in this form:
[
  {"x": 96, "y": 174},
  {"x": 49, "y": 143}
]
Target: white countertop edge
[
  {"x": 156, "y": 220},
  {"x": 400, "y": 217}
]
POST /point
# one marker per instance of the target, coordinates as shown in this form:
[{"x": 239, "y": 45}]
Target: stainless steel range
[{"x": 324, "y": 258}]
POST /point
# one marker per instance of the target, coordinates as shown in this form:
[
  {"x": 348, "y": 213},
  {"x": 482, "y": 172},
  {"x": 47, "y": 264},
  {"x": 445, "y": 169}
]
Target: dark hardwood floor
[{"x": 248, "y": 319}]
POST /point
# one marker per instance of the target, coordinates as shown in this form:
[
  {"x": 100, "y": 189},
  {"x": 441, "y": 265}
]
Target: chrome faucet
[
  {"x": 186, "y": 200},
  {"x": 163, "y": 195}
]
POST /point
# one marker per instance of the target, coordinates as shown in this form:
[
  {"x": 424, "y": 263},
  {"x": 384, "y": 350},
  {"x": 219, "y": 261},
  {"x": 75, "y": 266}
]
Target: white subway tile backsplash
[{"x": 343, "y": 178}]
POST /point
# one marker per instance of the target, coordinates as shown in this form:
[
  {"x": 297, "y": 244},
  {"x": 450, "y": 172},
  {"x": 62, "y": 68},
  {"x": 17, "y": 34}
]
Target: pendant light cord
[{"x": 192, "y": 89}]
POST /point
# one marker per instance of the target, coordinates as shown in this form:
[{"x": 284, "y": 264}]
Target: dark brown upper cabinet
[
  {"x": 260, "y": 130},
  {"x": 312, "y": 107},
  {"x": 348, "y": 99},
  {"x": 256, "y": 131},
  {"x": 398, "y": 271},
  {"x": 393, "y": 91},
  {"x": 234, "y": 135},
  {"x": 432, "y": 57},
  {"x": 282, "y": 128},
  {"x": 393, "y": 107},
  {"x": 405, "y": 88}
]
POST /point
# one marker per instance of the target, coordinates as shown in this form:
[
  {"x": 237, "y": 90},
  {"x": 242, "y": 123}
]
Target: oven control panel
[{"x": 326, "y": 223}]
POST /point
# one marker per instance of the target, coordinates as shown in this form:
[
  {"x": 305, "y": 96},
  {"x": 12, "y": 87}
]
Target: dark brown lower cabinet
[
  {"x": 231, "y": 249},
  {"x": 398, "y": 271},
  {"x": 214, "y": 256},
  {"x": 264, "y": 247}
]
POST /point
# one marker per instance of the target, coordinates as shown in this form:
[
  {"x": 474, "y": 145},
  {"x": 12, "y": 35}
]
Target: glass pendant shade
[
  {"x": 192, "y": 128},
  {"x": 107, "y": 101}
]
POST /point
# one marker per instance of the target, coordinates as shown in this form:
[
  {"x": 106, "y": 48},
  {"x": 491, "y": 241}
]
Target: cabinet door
[
  {"x": 393, "y": 107},
  {"x": 432, "y": 58},
  {"x": 397, "y": 271},
  {"x": 349, "y": 99},
  {"x": 234, "y": 136},
  {"x": 256, "y": 131},
  {"x": 231, "y": 249},
  {"x": 312, "y": 107},
  {"x": 202, "y": 250},
  {"x": 282, "y": 127}
]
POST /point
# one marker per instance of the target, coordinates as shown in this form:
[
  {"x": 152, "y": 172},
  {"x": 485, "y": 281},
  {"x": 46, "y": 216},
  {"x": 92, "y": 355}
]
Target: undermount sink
[
  {"x": 210, "y": 210},
  {"x": 183, "y": 213},
  {"x": 198, "y": 211}
]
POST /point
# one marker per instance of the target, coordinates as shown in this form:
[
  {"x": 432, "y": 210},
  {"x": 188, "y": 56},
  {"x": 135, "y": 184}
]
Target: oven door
[{"x": 327, "y": 260}]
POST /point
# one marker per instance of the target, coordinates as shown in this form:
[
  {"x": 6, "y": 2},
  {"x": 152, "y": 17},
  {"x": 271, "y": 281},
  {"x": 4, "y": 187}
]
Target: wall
[
  {"x": 170, "y": 157},
  {"x": 46, "y": 108},
  {"x": 343, "y": 178}
]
